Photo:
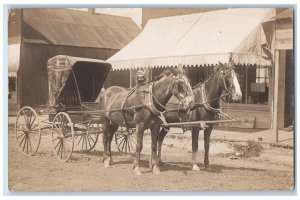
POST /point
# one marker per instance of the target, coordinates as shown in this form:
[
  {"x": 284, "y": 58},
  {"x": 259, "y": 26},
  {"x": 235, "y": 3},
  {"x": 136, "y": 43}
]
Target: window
[{"x": 254, "y": 82}]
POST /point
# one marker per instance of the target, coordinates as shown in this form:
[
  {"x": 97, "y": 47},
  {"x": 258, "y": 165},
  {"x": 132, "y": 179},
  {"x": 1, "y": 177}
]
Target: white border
[{"x": 132, "y": 3}]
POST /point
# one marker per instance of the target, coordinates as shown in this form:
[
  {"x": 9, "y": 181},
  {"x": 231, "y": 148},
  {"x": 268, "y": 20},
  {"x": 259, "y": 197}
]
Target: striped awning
[{"x": 199, "y": 39}]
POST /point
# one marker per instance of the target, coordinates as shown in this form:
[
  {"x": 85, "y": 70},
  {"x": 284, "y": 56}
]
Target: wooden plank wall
[
  {"x": 33, "y": 76},
  {"x": 260, "y": 113},
  {"x": 284, "y": 34}
]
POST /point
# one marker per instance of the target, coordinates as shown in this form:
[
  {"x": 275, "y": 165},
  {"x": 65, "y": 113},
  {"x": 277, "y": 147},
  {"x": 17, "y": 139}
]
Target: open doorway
[{"x": 289, "y": 90}]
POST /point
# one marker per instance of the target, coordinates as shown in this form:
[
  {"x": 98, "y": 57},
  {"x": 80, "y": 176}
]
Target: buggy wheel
[
  {"x": 28, "y": 130},
  {"x": 88, "y": 139},
  {"x": 126, "y": 141},
  {"x": 62, "y": 136}
]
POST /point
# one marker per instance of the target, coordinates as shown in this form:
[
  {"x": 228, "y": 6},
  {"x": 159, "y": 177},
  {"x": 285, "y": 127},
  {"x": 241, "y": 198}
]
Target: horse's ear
[
  {"x": 180, "y": 68},
  {"x": 221, "y": 64},
  {"x": 174, "y": 71}
]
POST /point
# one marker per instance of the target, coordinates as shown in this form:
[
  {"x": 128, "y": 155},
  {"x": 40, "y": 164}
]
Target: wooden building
[
  {"x": 44, "y": 33},
  {"x": 283, "y": 70},
  {"x": 277, "y": 112}
]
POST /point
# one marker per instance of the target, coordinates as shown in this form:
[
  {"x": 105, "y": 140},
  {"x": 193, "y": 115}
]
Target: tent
[{"x": 199, "y": 39}]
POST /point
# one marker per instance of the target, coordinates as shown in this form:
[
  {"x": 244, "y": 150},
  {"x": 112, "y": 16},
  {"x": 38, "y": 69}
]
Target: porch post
[{"x": 275, "y": 105}]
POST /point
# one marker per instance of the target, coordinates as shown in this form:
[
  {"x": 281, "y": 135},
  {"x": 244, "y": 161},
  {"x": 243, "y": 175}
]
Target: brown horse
[
  {"x": 142, "y": 108},
  {"x": 207, "y": 95}
]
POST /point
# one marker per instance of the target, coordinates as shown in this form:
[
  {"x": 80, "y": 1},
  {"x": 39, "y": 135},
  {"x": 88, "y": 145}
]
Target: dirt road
[{"x": 273, "y": 169}]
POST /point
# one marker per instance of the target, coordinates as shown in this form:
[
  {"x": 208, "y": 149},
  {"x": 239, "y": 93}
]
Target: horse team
[{"x": 147, "y": 106}]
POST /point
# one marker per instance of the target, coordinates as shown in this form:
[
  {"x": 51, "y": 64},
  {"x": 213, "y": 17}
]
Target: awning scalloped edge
[{"x": 191, "y": 61}]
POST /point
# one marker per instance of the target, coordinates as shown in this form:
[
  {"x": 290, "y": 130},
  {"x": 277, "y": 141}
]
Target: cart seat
[{"x": 69, "y": 97}]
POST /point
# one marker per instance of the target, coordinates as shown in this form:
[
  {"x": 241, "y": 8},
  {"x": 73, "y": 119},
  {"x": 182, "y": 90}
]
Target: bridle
[
  {"x": 151, "y": 97},
  {"x": 227, "y": 89},
  {"x": 181, "y": 97}
]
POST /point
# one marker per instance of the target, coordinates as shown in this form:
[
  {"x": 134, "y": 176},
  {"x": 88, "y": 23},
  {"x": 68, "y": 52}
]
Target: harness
[
  {"x": 205, "y": 102},
  {"x": 149, "y": 104},
  {"x": 124, "y": 110},
  {"x": 151, "y": 107}
]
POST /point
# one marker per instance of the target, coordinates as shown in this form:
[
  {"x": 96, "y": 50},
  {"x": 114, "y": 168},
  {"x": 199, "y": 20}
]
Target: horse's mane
[
  {"x": 167, "y": 72},
  {"x": 210, "y": 75}
]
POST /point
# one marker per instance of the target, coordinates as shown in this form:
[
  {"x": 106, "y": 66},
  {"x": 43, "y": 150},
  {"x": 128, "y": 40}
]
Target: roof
[
  {"x": 77, "y": 28},
  {"x": 198, "y": 39},
  {"x": 67, "y": 74},
  {"x": 286, "y": 14},
  {"x": 64, "y": 62}
]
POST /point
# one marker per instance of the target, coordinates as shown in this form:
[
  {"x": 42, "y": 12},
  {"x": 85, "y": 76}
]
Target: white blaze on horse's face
[
  {"x": 237, "y": 94},
  {"x": 184, "y": 91},
  {"x": 232, "y": 85}
]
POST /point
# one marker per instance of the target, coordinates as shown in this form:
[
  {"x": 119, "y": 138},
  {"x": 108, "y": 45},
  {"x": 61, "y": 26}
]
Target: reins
[{"x": 206, "y": 103}]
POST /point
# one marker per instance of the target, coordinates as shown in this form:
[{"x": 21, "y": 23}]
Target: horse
[
  {"x": 207, "y": 95},
  {"x": 142, "y": 108}
]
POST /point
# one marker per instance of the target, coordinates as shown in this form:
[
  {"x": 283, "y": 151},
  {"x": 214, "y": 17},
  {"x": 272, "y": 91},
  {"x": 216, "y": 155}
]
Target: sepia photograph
[{"x": 185, "y": 98}]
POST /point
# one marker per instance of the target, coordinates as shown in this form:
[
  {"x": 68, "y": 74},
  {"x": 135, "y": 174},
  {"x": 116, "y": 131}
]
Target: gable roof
[
  {"x": 198, "y": 39},
  {"x": 77, "y": 28},
  {"x": 286, "y": 14}
]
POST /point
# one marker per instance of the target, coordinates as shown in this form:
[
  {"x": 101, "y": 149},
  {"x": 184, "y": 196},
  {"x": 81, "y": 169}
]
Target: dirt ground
[{"x": 273, "y": 169}]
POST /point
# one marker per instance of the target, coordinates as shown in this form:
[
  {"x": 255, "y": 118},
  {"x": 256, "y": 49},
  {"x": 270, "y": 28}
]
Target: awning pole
[{"x": 130, "y": 76}]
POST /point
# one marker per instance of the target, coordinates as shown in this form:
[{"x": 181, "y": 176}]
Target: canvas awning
[
  {"x": 198, "y": 39},
  {"x": 13, "y": 59}
]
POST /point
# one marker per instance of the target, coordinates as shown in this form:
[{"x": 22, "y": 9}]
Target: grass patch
[
  {"x": 243, "y": 150},
  {"x": 250, "y": 149}
]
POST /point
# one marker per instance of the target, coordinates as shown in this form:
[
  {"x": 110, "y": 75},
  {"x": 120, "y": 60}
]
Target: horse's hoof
[
  {"x": 150, "y": 164},
  {"x": 110, "y": 161},
  {"x": 160, "y": 163},
  {"x": 156, "y": 170},
  {"x": 134, "y": 164},
  {"x": 207, "y": 168},
  {"x": 106, "y": 163},
  {"x": 137, "y": 171},
  {"x": 195, "y": 168}
]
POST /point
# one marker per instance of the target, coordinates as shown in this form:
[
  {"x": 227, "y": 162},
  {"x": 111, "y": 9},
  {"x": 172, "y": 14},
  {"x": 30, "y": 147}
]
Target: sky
[{"x": 134, "y": 13}]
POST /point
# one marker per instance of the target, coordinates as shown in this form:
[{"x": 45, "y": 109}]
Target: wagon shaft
[{"x": 198, "y": 123}]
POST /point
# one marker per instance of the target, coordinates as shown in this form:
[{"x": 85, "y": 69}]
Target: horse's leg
[
  {"x": 161, "y": 138},
  {"x": 139, "y": 146},
  {"x": 195, "y": 137},
  {"x": 112, "y": 131},
  {"x": 207, "y": 133},
  {"x": 105, "y": 129},
  {"x": 154, "y": 139}
]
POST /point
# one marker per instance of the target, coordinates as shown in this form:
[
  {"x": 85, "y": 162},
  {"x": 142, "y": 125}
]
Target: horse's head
[
  {"x": 181, "y": 88},
  {"x": 229, "y": 82}
]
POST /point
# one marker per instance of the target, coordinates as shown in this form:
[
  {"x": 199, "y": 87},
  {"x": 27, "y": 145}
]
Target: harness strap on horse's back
[
  {"x": 124, "y": 110},
  {"x": 151, "y": 106}
]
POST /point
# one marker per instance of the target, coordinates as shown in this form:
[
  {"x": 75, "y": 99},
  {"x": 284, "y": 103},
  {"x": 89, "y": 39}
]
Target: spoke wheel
[
  {"x": 28, "y": 131},
  {"x": 126, "y": 141},
  {"x": 62, "y": 136},
  {"x": 88, "y": 139}
]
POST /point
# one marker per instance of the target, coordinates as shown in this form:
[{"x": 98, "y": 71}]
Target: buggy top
[{"x": 73, "y": 80}]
